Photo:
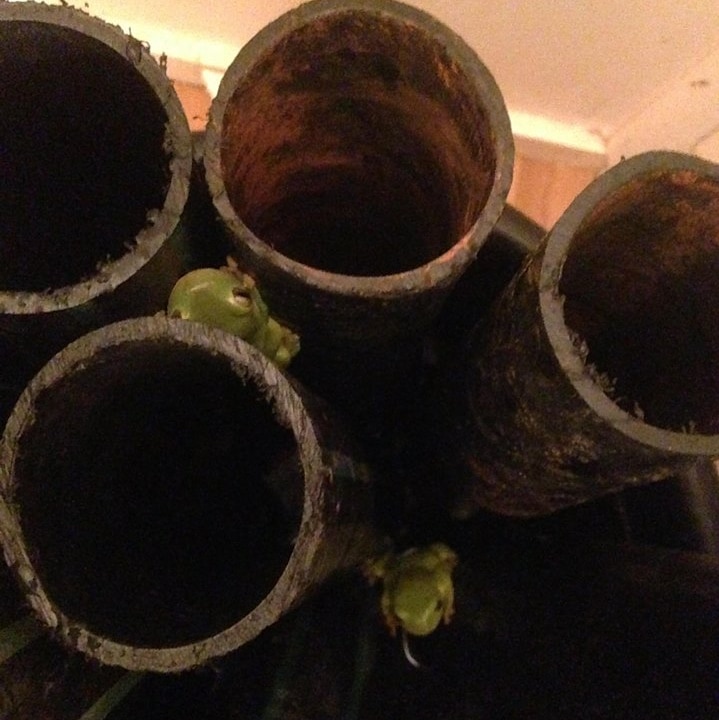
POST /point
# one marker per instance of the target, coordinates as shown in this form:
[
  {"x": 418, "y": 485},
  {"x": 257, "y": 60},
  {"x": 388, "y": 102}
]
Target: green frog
[
  {"x": 418, "y": 592},
  {"x": 228, "y": 299}
]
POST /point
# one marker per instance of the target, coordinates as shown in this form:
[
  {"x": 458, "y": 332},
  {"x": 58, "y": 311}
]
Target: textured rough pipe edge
[
  {"x": 394, "y": 123},
  {"x": 596, "y": 369},
  {"x": 127, "y": 272},
  {"x": 334, "y": 529},
  {"x": 178, "y": 147}
]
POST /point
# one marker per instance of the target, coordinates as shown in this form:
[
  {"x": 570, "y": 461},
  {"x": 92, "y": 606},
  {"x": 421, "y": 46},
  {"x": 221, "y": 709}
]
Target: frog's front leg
[
  {"x": 448, "y": 613},
  {"x": 387, "y": 607},
  {"x": 278, "y": 342}
]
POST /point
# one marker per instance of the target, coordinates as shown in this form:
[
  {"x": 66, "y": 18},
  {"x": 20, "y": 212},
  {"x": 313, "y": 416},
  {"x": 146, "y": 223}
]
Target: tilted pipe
[
  {"x": 167, "y": 493},
  {"x": 359, "y": 153},
  {"x": 95, "y": 167},
  {"x": 598, "y": 366}
]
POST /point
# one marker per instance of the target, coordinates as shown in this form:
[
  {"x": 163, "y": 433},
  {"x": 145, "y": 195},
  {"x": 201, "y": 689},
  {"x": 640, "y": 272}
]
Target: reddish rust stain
[{"x": 355, "y": 145}]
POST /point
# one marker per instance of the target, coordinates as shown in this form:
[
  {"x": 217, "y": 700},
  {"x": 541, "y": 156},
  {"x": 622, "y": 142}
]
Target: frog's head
[
  {"x": 221, "y": 299},
  {"x": 418, "y": 603}
]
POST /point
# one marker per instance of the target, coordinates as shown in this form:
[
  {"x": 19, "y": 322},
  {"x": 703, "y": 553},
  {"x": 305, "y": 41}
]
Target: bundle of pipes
[{"x": 166, "y": 491}]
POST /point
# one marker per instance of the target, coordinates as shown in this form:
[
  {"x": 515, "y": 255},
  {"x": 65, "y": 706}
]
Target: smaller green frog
[
  {"x": 417, "y": 587},
  {"x": 228, "y": 299}
]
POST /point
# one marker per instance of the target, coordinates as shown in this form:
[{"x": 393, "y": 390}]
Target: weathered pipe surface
[
  {"x": 358, "y": 153},
  {"x": 167, "y": 493},
  {"x": 95, "y": 167},
  {"x": 598, "y": 366}
]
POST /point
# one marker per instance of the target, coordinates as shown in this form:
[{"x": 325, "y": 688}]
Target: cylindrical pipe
[
  {"x": 359, "y": 153},
  {"x": 95, "y": 167},
  {"x": 598, "y": 366},
  {"x": 167, "y": 493}
]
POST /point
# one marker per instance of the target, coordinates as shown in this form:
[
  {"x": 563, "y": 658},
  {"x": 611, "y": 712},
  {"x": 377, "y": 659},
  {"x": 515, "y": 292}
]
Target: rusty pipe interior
[
  {"x": 356, "y": 144},
  {"x": 640, "y": 284}
]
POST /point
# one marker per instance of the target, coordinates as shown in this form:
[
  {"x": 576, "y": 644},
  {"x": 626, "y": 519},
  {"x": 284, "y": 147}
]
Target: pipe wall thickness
[
  {"x": 167, "y": 493},
  {"x": 358, "y": 153}
]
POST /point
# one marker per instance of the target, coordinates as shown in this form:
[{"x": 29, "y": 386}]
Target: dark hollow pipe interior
[
  {"x": 142, "y": 495},
  {"x": 81, "y": 155},
  {"x": 355, "y": 145},
  {"x": 641, "y": 288}
]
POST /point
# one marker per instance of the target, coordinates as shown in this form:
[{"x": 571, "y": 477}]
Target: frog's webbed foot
[{"x": 232, "y": 267}]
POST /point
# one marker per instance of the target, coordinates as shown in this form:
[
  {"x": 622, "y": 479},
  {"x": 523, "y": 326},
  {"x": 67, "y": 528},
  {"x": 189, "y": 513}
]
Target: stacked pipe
[
  {"x": 359, "y": 153},
  {"x": 188, "y": 495},
  {"x": 596, "y": 368},
  {"x": 277, "y": 467},
  {"x": 95, "y": 168},
  {"x": 166, "y": 492}
]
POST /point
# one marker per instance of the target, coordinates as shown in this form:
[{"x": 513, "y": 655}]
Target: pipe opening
[
  {"x": 81, "y": 155},
  {"x": 142, "y": 493},
  {"x": 356, "y": 145},
  {"x": 641, "y": 289}
]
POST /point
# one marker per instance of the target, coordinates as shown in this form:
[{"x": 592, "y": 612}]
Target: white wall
[{"x": 597, "y": 76}]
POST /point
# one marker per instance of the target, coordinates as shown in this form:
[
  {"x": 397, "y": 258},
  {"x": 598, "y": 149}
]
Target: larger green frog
[{"x": 228, "y": 299}]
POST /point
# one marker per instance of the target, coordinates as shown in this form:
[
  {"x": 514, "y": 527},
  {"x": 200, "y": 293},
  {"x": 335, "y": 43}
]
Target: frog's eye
[
  {"x": 438, "y": 605},
  {"x": 241, "y": 298}
]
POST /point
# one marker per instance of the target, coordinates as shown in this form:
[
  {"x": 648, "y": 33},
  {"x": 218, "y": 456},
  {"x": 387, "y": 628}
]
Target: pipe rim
[
  {"x": 554, "y": 252},
  {"x": 178, "y": 144},
  {"x": 440, "y": 269},
  {"x": 249, "y": 364}
]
